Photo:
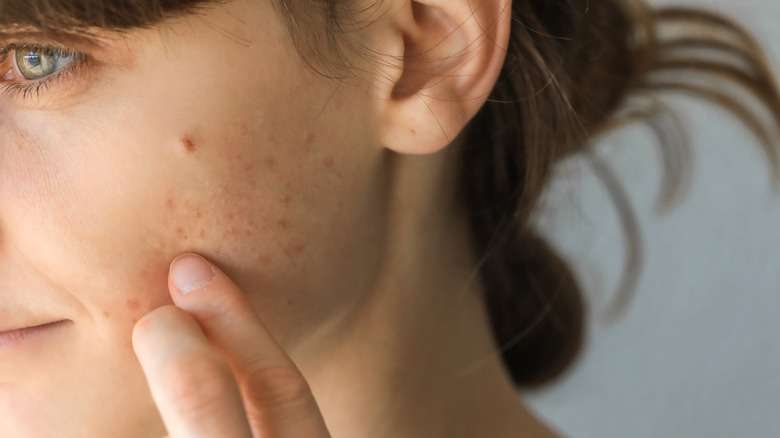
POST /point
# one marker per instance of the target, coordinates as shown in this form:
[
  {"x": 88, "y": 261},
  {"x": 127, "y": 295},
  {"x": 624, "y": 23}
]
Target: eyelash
[{"x": 27, "y": 88}]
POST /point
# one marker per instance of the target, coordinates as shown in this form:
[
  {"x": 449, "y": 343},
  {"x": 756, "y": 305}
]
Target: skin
[{"x": 189, "y": 138}]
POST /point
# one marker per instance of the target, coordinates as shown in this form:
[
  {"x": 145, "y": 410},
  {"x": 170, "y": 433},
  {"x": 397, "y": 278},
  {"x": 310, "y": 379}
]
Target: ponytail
[{"x": 571, "y": 72}]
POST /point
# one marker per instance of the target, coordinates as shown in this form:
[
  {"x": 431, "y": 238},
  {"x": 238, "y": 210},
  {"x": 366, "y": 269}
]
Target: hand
[{"x": 213, "y": 368}]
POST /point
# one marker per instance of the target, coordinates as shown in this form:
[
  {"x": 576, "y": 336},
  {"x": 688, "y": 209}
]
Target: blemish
[
  {"x": 230, "y": 217},
  {"x": 264, "y": 259},
  {"x": 248, "y": 167},
  {"x": 198, "y": 214},
  {"x": 202, "y": 233},
  {"x": 270, "y": 162},
  {"x": 413, "y": 131},
  {"x": 329, "y": 162},
  {"x": 170, "y": 203},
  {"x": 283, "y": 224},
  {"x": 271, "y": 138},
  {"x": 295, "y": 250},
  {"x": 106, "y": 314},
  {"x": 133, "y": 304},
  {"x": 188, "y": 143},
  {"x": 286, "y": 201},
  {"x": 243, "y": 129}
]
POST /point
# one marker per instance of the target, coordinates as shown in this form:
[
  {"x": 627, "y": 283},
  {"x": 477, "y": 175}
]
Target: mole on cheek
[{"x": 188, "y": 144}]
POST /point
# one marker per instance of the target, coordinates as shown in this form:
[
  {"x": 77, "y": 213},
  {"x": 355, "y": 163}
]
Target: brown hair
[{"x": 573, "y": 70}]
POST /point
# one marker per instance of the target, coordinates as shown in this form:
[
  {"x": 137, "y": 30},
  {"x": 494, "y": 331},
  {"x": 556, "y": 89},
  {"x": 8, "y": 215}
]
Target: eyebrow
[{"x": 74, "y": 17}]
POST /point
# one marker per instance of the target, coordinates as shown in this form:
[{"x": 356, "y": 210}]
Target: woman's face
[{"x": 205, "y": 134}]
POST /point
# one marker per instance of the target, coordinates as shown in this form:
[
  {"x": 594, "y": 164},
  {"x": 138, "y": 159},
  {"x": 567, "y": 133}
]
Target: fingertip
[{"x": 191, "y": 272}]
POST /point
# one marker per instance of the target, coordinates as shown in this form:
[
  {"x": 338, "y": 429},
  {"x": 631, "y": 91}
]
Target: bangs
[{"x": 74, "y": 15}]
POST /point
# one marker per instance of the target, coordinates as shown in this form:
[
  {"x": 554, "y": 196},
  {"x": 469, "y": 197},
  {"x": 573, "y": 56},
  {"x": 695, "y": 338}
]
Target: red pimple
[
  {"x": 284, "y": 224},
  {"x": 296, "y": 249}
]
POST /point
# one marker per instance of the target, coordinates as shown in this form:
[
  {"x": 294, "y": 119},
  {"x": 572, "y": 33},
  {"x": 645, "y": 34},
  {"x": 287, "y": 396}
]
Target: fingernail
[{"x": 191, "y": 272}]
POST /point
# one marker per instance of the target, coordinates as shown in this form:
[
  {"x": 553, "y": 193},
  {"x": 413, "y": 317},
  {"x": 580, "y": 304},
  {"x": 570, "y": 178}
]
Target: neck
[{"x": 416, "y": 357}]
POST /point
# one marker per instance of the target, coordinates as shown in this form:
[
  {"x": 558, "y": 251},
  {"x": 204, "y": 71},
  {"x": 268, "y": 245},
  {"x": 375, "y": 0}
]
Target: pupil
[{"x": 33, "y": 59}]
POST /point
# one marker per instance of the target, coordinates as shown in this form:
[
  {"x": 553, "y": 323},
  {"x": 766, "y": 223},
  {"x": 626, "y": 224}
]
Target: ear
[{"x": 453, "y": 52}]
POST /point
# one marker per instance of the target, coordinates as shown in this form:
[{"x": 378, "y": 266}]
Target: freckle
[
  {"x": 170, "y": 203},
  {"x": 289, "y": 301},
  {"x": 189, "y": 144},
  {"x": 106, "y": 314},
  {"x": 308, "y": 138},
  {"x": 198, "y": 214},
  {"x": 133, "y": 304},
  {"x": 329, "y": 162},
  {"x": 180, "y": 232},
  {"x": 413, "y": 131}
]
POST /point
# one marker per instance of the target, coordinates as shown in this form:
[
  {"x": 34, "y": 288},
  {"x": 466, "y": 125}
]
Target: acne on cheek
[
  {"x": 196, "y": 224},
  {"x": 151, "y": 292}
]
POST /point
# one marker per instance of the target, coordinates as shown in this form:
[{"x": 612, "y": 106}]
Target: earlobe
[{"x": 453, "y": 54}]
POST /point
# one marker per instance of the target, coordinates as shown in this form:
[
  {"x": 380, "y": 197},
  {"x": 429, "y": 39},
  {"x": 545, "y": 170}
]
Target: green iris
[{"x": 36, "y": 64}]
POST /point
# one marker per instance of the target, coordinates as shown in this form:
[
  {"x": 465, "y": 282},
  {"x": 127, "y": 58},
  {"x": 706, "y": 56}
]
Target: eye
[{"x": 34, "y": 64}]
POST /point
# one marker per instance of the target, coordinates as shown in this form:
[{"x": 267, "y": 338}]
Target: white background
[{"x": 697, "y": 353}]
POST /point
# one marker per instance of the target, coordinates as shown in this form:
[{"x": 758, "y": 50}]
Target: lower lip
[{"x": 16, "y": 338}]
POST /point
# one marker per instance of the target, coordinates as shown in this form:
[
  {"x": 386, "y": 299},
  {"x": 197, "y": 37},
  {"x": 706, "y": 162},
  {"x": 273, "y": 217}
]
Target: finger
[
  {"x": 278, "y": 400},
  {"x": 191, "y": 384}
]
